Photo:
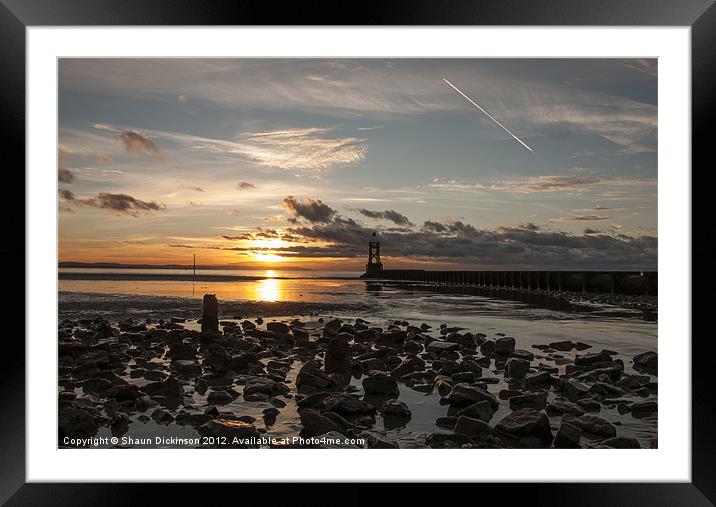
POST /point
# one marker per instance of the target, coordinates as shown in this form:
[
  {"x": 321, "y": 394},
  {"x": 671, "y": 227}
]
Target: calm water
[{"x": 287, "y": 294}]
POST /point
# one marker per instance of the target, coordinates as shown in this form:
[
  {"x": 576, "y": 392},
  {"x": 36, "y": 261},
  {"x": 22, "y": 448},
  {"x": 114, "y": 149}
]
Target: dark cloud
[
  {"x": 390, "y": 215},
  {"x": 118, "y": 203},
  {"x": 197, "y": 189},
  {"x": 64, "y": 175},
  {"x": 313, "y": 210},
  {"x": 134, "y": 142},
  {"x": 245, "y": 185}
]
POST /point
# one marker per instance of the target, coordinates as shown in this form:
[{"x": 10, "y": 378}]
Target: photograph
[{"x": 357, "y": 253}]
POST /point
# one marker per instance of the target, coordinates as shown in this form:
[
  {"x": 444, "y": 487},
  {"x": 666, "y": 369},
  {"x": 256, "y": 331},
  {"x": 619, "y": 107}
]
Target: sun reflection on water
[{"x": 268, "y": 288}]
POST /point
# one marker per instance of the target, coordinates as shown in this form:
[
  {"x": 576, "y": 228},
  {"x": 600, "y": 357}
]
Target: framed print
[{"x": 341, "y": 253}]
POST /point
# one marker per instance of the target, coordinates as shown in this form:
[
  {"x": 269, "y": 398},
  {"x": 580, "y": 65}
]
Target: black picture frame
[{"x": 17, "y": 15}]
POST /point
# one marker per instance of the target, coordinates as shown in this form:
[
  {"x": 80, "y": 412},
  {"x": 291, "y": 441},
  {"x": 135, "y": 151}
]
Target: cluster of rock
[{"x": 157, "y": 368}]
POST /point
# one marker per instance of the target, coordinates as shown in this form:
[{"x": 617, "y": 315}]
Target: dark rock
[
  {"x": 589, "y": 405},
  {"x": 447, "y": 423},
  {"x": 438, "y": 346},
  {"x": 622, "y": 443},
  {"x": 395, "y": 408},
  {"x": 646, "y": 362},
  {"x": 564, "y": 346},
  {"x": 278, "y": 327},
  {"x": 558, "y": 407},
  {"x": 331, "y": 328},
  {"x": 220, "y": 397},
  {"x": 74, "y": 422},
  {"x": 346, "y": 405},
  {"x": 644, "y": 407},
  {"x": 526, "y": 422},
  {"x": 481, "y": 410},
  {"x": 442, "y": 440},
  {"x": 380, "y": 383},
  {"x": 574, "y": 390},
  {"x": 567, "y": 436},
  {"x": 504, "y": 345},
  {"x": 210, "y": 314},
  {"x": 219, "y": 360},
  {"x": 593, "y": 424},
  {"x": 590, "y": 359},
  {"x": 338, "y": 356},
  {"x": 465, "y": 394},
  {"x": 488, "y": 347},
  {"x": 537, "y": 381},
  {"x": 474, "y": 428},
  {"x": 517, "y": 368},
  {"x": 535, "y": 401},
  {"x": 119, "y": 424}
]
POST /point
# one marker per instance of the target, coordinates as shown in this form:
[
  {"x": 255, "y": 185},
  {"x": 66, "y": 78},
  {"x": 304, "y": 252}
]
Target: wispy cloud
[
  {"x": 117, "y": 203},
  {"x": 545, "y": 183},
  {"x": 580, "y": 218}
]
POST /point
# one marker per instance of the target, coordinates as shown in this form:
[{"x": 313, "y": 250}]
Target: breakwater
[{"x": 605, "y": 282}]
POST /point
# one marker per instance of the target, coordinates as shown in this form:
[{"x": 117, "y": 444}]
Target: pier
[{"x": 605, "y": 282}]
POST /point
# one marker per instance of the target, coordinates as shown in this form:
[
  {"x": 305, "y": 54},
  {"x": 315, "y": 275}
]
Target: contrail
[{"x": 489, "y": 116}]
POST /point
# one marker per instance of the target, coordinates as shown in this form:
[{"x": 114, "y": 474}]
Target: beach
[{"x": 327, "y": 360}]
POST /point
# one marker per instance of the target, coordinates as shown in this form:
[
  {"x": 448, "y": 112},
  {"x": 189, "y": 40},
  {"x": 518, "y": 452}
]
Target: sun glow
[{"x": 268, "y": 290}]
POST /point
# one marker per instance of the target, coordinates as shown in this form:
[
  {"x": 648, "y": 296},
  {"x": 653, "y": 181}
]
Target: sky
[{"x": 294, "y": 163}]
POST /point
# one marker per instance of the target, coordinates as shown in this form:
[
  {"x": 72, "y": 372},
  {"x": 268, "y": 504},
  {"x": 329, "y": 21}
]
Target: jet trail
[{"x": 489, "y": 116}]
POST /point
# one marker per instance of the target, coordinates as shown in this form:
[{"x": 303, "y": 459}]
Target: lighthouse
[{"x": 374, "y": 267}]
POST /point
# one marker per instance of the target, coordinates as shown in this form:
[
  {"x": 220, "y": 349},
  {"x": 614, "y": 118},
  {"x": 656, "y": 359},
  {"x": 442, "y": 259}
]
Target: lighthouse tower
[{"x": 374, "y": 266}]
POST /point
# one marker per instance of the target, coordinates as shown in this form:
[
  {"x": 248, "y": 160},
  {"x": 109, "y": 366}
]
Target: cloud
[
  {"x": 182, "y": 98},
  {"x": 139, "y": 144},
  {"x": 64, "y": 175},
  {"x": 104, "y": 159},
  {"x": 580, "y": 218},
  {"x": 197, "y": 189},
  {"x": 301, "y": 149},
  {"x": 524, "y": 246},
  {"x": 390, "y": 215},
  {"x": 117, "y": 203},
  {"x": 313, "y": 210},
  {"x": 545, "y": 183},
  {"x": 63, "y": 152},
  {"x": 245, "y": 185}
]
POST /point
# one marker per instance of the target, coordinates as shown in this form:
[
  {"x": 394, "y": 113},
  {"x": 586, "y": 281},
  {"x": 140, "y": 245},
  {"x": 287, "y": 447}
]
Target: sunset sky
[{"x": 266, "y": 163}]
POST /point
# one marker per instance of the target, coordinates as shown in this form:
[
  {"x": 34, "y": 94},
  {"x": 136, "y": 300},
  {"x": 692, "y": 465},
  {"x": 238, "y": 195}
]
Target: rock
[
  {"x": 210, "y": 314},
  {"x": 564, "y": 346},
  {"x": 338, "y": 356},
  {"x": 347, "y": 406},
  {"x": 536, "y": 401},
  {"x": 474, "y": 428},
  {"x": 278, "y": 327},
  {"x": 119, "y": 424},
  {"x": 481, "y": 410},
  {"x": 395, "y": 408},
  {"x": 589, "y": 405},
  {"x": 162, "y": 416},
  {"x": 487, "y": 347},
  {"x": 567, "y": 436},
  {"x": 170, "y": 388},
  {"x": 517, "y": 368},
  {"x": 526, "y": 422},
  {"x": 186, "y": 367},
  {"x": 447, "y": 423},
  {"x": 380, "y": 383},
  {"x": 593, "y": 424},
  {"x": 219, "y": 360},
  {"x": 504, "y": 345},
  {"x": 465, "y": 394},
  {"x": 442, "y": 440},
  {"x": 74, "y": 422},
  {"x": 438, "y": 346},
  {"x": 264, "y": 386},
  {"x": 590, "y": 359},
  {"x": 574, "y": 390},
  {"x": 331, "y": 328},
  {"x": 376, "y": 441},
  {"x": 311, "y": 378},
  {"x": 229, "y": 429},
  {"x": 646, "y": 362},
  {"x": 125, "y": 392},
  {"x": 644, "y": 408},
  {"x": 558, "y": 407},
  {"x": 582, "y": 346},
  {"x": 373, "y": 363},
  {"x": 220, "y": 397},
  {"x": 622, "y": 443},
  {"x": 537, "y": 381}
]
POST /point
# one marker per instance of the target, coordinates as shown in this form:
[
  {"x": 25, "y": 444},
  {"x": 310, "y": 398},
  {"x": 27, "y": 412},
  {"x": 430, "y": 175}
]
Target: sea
[{"x": 118, "y": 294}]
